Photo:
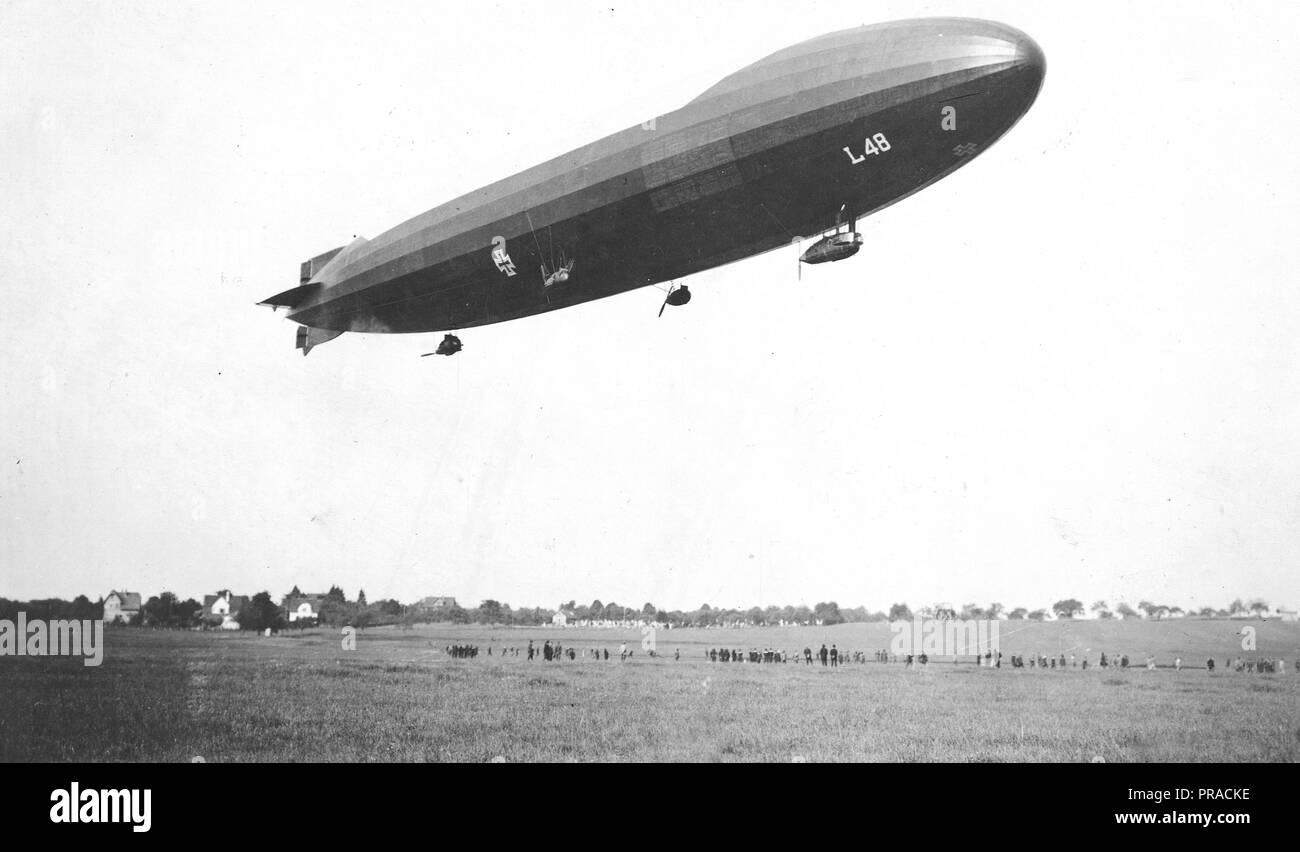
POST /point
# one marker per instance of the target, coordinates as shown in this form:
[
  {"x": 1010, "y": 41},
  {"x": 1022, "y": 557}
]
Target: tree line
[{"x": 260, "y": 612}]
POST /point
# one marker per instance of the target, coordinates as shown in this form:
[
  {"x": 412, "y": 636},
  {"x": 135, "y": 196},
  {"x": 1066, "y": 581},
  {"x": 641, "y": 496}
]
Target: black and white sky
[{"x": 1071, "y": 369}]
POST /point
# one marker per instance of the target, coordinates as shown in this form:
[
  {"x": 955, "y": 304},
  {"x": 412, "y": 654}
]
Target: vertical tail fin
[{"x": 309, "y": 337}]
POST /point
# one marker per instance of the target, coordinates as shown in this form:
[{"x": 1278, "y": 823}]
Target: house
[
  {"x": 436, "y": 604},
  {"x": 222, "y": 608},
  {"x": 298, "y": 607},
  {"x": 121, "y": 607},
  {"x": 560, "y": 619},
  {"x": 1284, "y": 614}
]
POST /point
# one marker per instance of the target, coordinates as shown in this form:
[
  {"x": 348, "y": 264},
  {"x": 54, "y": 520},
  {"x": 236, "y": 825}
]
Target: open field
[{"x": 174, "y": 696}]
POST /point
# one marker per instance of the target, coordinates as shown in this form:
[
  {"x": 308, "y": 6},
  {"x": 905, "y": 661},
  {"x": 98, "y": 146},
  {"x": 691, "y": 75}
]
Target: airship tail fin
[
  {"x": 309, "y": 268},
  {"x": 309, "y": 337},
  {"x": 292, "y": 297}
]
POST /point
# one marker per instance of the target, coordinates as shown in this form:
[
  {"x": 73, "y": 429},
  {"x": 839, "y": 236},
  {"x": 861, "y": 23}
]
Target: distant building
[
  {"x": 298, "y": 607},
  {"x": 121, "y": 607},
  {"x": 1285, "y": 614},
  {"x": 222, "y": 608},
  {"x": 436, "y": 604},
  {"x": 560, "y": 619}
]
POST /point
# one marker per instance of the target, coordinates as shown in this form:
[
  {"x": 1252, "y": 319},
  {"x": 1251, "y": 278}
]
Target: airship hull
[{"x": 856, "y": 120}]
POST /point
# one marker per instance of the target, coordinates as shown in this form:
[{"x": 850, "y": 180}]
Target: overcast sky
[{"x": 1068, "y": 370}]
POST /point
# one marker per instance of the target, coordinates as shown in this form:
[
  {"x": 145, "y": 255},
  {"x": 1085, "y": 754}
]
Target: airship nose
[{"x": 1029, "y": 56}]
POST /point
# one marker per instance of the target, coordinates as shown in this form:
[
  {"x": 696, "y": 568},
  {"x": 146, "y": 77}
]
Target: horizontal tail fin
[{"x": 292, "y": 297}]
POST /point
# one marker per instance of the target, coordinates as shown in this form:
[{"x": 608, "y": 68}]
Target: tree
[
  {"x": 970, "y": 610},
  {"x": 295, "y": 593},
  {"x": 159, "y": 608},
  {"x": 336, "y": 594},
  {"x": 188, "y": 613},
  {"x": 1037, "y": 615},
  {"x": 1259, "y": 607},
  {"x": 1152, "y": 610},
  {"x": 995, "y": 609},
  {"x": 900, "y": 612},
  {"x": 489, "y": 612},
  {"x": 828, "y": 612},
  {"x": 1067, "y": 608},
  {"x": 333, "y": 613},
  {"x": 1236, "y": 607},
  {"x": 1100, "y": 609},
  {"x": 855, "y": 615},
  {"x": 84, "y": 610},
  {"x": 361, "y": 597},
  {"x": 1123, "y": 610},
  {"x": 1018, "y": 613},
  {"x": 260, "y": 613}
]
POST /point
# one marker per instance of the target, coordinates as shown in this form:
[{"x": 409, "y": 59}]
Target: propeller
[
  {"x": 677, "y": 294},
  {"x": 668, "y": 296}
]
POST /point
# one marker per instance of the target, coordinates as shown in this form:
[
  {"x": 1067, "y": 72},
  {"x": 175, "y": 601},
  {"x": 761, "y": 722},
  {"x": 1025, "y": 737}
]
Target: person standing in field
[
  {"x": 835, "y": 656},
  {"x": 807, "y": 656},
  {"x": 823, "y": 654}
]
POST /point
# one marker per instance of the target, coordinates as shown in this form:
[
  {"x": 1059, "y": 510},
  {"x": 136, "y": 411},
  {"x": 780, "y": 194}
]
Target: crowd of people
[
  {"x": 833, "y": 657},
  {"x": 551, "y": 651}
]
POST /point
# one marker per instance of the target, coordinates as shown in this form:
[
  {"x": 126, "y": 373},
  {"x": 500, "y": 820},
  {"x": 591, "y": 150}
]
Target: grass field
[{"x": 175, "y": 696}]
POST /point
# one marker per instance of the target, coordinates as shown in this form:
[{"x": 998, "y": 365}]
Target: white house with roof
[
  {"x": 436, "y": 604},
  {"x": 222, "y": 608},
  {"x": 121, "y": 607},
  {"x": 303, "y": 607}
]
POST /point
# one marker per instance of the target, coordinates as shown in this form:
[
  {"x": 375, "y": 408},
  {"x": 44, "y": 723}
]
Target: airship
[{"x": 798, "y": 146}]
